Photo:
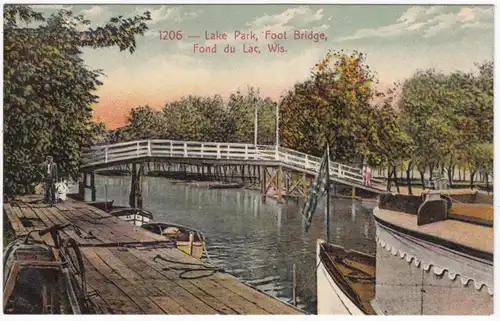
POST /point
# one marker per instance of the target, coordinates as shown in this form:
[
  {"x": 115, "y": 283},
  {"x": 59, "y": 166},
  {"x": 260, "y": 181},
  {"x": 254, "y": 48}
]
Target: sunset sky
[{"x": 398, "y": 40}]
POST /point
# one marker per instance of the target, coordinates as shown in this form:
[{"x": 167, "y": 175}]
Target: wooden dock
[{"x": 130, "y": 270}]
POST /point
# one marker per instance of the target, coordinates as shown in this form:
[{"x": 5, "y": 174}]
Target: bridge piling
[
  {"x": 81, "y": 187},
  {"x": 263, "y": 190},
  {"x": 92, "y": 186}
]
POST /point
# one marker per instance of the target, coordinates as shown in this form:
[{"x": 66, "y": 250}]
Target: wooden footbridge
[{"x": 277, "y": 170}]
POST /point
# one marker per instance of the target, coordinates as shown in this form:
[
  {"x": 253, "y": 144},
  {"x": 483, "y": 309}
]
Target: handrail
[{"x": 104, "y": 154}]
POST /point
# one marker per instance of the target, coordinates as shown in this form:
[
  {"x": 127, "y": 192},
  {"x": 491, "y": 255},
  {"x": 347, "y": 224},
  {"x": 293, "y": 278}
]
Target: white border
[{"x": 414, "y": 2}]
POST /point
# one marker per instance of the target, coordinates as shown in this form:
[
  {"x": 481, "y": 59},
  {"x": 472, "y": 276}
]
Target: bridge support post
[
  {"x": 279, "y": 177},
  {"x": 92, "y": 186},
  {"x": 133, "y": 187},
  {"x": 263, "y": 184},
  {"x": 81, "y": 187}
]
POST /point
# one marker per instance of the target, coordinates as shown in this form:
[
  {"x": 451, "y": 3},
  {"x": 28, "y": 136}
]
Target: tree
[
  {"x": 145, "y": 123},
  {"x": 197, "y": 118},
  {"x": 241, "y": 112},
  {"x": 336, "y": 105},
  {"x": 48, "y": 90}
]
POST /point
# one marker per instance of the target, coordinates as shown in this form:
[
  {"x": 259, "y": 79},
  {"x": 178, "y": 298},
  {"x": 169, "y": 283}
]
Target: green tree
[
  {"x": 241, "y": 112},
  {"x": 335, "y": 105},
  {"x": 197, "y": 118},
  {"x": 145, "y": 123},
  {"x": 49, "y": 91}
]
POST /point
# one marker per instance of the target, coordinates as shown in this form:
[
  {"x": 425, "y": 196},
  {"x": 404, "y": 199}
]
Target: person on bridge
[
  {"x": 49, "y": 170},
  {"x": 367, "y": 175}
]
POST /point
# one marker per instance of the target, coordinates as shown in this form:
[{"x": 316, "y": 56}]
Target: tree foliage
[{"x": 48, "y": 89}]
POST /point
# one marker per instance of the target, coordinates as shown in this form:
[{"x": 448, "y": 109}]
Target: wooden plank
[
  {"x": 69, "y": 231},
  {"x": 134, "y": 232},
  {"x": 272, "y": 305},
  {"x": 235, "y": 301},
  {"x": 169, "y": 305},
  {"x": 103, "y": 278},
  {"x": 16, "y": 224},
  {"x": 182, "y": 296},
  {"x": 103, "y": 237},
  {"x": 114, "y": 235},
  {"x": 113, "y": 262},
  {"x": 98, "y": 304},
  {"x": 218, "y": 304},
  {"x": 32, "y": 217},
  {"x": 262, "y": 300},
  {"x": 16, "y": 210}
]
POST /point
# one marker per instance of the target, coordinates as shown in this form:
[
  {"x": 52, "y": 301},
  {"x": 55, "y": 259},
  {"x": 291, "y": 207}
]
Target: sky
[{"x": 397, "y": 40}]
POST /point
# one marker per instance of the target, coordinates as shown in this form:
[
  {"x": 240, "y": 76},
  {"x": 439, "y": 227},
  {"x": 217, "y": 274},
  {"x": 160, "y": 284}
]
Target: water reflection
[{"x": 256, "y": 242}]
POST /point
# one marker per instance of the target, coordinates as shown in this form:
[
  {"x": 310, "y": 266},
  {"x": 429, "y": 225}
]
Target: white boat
[
  {"x": 345, "y": 281},
  {"x": 434, "y": 257},
  {"x": 136, "y": 216}
]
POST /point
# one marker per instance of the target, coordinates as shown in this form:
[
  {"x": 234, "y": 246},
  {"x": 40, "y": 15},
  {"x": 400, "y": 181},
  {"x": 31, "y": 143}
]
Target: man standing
[{"x": 49, "y": 170}]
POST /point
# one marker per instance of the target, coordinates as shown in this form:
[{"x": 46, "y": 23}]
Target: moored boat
[
  {"x": 136, "y": 216},
  {"x": 187, "y": 239},
  {"x": 346, "y": 280},
  {"x": 433, "y": 257},
  {"x": 225, "y": 185},
  {"x": 105, "y": 205}
]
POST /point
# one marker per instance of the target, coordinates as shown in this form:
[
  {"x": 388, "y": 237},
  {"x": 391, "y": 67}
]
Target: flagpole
[{"x": 327, "y": 209}]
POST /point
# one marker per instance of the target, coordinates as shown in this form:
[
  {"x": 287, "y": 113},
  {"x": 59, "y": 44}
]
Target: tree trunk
[
  {"x": 431, "y": 170},
  {"x": 394, "y": 170},
  {"x": 422, "y": 179},
  {"x": 472, "y": 179},
  {"x": 408, "y": 178},
  {"x": 459, "y": 174},
  {"x": 442, "y": 168},
  {"x": 451, "y": 170},
  {"x": 389, "y": 175}
]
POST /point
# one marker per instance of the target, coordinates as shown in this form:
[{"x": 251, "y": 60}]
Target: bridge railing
[{"x": 211, "y": 150}]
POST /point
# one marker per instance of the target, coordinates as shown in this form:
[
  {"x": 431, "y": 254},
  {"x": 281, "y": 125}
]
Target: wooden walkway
[{"x": 132, "y": 271}]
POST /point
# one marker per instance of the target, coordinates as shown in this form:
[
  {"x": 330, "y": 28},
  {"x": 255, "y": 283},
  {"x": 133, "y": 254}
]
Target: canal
[{"x": 256, "y": 242}]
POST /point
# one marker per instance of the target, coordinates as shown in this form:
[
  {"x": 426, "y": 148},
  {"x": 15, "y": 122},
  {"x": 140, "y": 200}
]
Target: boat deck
[
  {"x": 353, "y": 272},
  {"x": 471, "y": 235},
  {"x": 130, "y": 270}
]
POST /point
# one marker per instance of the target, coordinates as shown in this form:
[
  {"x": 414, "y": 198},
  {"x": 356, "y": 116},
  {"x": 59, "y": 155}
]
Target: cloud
[
  {"x": 52, "y": 6},
  {"x": 175, "y": 14},
  {"x": 429, "y": 20},
  {"x": 298, "y": 15},
  {"x": 94, "y": 12},
  {"x": 465, "y": 18}
]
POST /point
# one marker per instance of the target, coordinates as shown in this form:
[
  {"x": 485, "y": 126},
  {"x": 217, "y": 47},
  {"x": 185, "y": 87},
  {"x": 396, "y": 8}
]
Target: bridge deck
[{"x": 132, "y": 271}]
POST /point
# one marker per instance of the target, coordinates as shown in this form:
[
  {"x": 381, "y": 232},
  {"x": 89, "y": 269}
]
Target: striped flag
[{"x": 317, "y": 190}]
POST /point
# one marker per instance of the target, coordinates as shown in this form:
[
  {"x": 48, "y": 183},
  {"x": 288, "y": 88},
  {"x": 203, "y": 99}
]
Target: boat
[
  {"x": 433, "y": 257},
  {"x": 188, "y": 240},
  {"x": 136, "y": 216},
  {"x": 225, "y": 185},
  {"x": 105, "y": 206},
  {"x": 346, "y": 281}
]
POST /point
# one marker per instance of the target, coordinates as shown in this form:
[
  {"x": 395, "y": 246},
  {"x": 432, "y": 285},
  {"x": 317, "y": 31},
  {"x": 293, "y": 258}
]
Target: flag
[{"x": 317, "y": 190}]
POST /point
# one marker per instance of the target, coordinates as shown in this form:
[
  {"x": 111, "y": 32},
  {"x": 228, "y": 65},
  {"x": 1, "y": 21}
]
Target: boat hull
[
  {"x": 331, "y": 299},
  {"x": 135, "y": 219},
  {"x": 195, "y": 250}
]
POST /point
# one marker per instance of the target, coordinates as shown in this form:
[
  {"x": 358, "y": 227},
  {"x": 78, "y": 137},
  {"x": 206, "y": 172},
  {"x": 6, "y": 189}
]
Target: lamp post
[
  {"x": 277, "y": 127},
  {"x": 256, "y": 123}
]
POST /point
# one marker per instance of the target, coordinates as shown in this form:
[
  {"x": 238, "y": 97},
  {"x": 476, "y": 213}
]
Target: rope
[{"x": 205, "y": 268}]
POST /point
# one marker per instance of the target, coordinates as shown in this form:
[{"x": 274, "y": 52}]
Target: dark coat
[{"x": 53, "y": 170}]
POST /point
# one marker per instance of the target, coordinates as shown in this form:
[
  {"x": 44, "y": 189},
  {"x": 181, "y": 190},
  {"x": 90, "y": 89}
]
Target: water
[{"x": 256, "y": 242}]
